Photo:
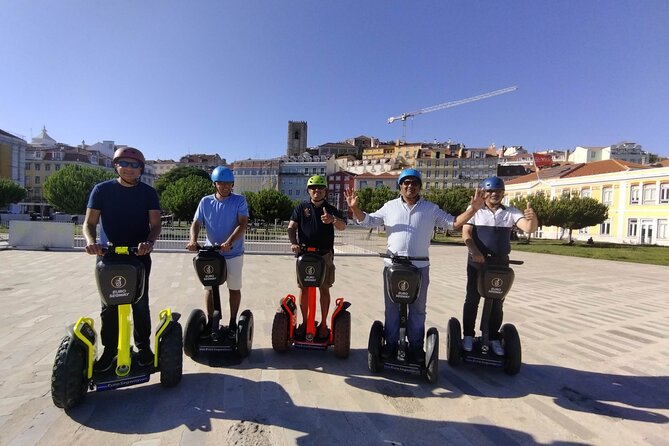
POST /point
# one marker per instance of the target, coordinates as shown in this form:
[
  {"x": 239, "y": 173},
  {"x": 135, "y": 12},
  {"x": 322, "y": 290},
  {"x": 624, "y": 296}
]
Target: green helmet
[{"x": 317, "y": 180}]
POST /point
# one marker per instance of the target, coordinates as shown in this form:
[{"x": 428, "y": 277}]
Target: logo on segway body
[
  {"x": 118, "y": 282},
  {"x": 497, "y": 282},
  {"x": 310, "y": 270},
  {"x": 403, "y": 285},
  {"x": 208, "y": 269}
]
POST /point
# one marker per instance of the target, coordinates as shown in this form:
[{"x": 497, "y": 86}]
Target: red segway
[{"x": 311, "y": 270}]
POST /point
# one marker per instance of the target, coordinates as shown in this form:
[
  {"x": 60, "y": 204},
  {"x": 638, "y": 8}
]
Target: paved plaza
[{"x": 595, "y": 361}]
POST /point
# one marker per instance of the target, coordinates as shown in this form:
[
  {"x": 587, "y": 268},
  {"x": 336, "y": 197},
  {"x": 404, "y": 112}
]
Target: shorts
[{"x": 234, "y": 266}]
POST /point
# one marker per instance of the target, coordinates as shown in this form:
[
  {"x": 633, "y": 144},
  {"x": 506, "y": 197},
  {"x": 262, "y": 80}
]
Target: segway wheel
[
  {"x": 342, "y": 335},
  {"x": 68, "y": 380},
  {"x": 453, "y": 341},
  {"x": 374, "y": 347},
  {"x": 280, "y": 332},
  {"x": 170, "y": 355},
  {"x": 195, "y": 325},
  {"x": 432, "y": 355},
  {"x": 513, "y": 354},
  {"x": 245, "y": 333}
]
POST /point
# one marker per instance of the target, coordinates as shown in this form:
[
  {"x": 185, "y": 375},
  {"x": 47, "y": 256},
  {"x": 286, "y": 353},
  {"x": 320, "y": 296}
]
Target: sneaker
[
  {"x": 232, "y": 330},
  {"x": 145, "y": 357},
  {"x": 497, "y": 348},
  {"x": 468, "y": 343},
  {"x": 106, "y": 361}
]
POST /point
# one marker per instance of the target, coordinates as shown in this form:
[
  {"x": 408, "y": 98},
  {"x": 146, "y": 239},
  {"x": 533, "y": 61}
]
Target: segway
[
  {"x": 403, "y": 281},
  {"x": 311, "y": 271},
  {"x": 494, "y": 283},
  {"x": 209, "y": 336},
  {"x": 120, "y": 281}
]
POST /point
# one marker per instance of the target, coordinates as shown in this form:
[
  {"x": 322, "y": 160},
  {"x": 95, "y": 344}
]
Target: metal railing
[{"x": 355, "y": 240}]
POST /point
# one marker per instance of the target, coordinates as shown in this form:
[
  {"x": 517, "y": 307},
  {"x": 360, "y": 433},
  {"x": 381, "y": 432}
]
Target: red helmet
[{"x": 128, "y": 152}]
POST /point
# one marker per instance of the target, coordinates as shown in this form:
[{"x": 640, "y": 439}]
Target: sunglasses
[
  {"x": 133, "y": 164},
  {"x": 316, "y": 187},
  {"x": 411, "y": 183},
  {"x": 492, "y": 191}
]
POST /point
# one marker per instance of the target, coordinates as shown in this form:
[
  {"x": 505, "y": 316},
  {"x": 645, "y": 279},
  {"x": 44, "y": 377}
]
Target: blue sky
[{"x": 213, "y": 76}]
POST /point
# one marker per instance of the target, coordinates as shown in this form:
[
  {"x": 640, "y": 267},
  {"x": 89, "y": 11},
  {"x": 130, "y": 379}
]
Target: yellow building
[{"x": 637, "y": 197}]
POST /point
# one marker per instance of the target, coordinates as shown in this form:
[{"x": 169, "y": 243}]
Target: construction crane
[{"x": 404, "y": 116}]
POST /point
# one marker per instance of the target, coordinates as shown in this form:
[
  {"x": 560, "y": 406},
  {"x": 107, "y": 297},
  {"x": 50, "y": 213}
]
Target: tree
[
  {"x": 544, "y": 208},
  {"x": 68, "y": 189},
  {"x": 182, "y": 197},
  {"x": 10, "y": 192},
  {"x": 580, "y": 212},
  {"x": 252, "y": 201},
  {"x": 176, "y": 174},
  {"x": 371, "y": 199},
  {"x": 271, "y": 205}
]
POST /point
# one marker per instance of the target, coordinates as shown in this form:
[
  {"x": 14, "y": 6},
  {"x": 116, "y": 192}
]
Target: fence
[{"x": 354, "y": 240}]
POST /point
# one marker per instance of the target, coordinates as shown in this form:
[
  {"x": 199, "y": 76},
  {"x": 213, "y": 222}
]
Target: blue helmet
[
  {"x": 223, "y": 174},
  {"x": 410, "y": 173},
  {"x": 491, "y": 183}
]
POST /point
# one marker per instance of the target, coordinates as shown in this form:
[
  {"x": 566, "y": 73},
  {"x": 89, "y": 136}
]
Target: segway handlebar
[
  {"x": 516, "y": 262},
  {"x": 399, "y": 259},
  {"x": 210, "y": 248},
  {"x": 122, "y": 250},
  {"x": 308, "y": 249}
]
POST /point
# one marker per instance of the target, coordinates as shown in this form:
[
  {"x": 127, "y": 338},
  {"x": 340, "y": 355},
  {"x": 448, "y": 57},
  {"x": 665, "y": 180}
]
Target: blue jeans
[{"x": 415, "y": 319}]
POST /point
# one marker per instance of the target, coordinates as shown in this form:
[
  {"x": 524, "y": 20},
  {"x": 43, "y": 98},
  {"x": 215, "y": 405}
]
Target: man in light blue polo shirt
[
  {"x": 225, "y": 216},
  {"x": 409, "y": 221}
]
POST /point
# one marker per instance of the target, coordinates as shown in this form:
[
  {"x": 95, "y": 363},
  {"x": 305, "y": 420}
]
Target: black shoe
[
  {"x": 106, "y": 361},
  {"x": 145, "y": 357},
  {"x": 389, "y": 351},
  {"x": 232, "y": 330},
  {"x": 417, "y": 355},
  {"x": 301, "y": 331}
]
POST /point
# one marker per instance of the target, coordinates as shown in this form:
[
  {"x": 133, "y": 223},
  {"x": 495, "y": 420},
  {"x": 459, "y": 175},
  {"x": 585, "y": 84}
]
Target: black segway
[
  {"x": 311, "y": 271},
  {"x": 120, "y": 281},
  {"x": 403, "y": 281},
  {"x": 211, "y": 269},
  {"x": 494, "y": 283}
]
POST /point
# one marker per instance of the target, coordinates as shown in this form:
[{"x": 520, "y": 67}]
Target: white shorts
[{"x": 234, "y": 266}]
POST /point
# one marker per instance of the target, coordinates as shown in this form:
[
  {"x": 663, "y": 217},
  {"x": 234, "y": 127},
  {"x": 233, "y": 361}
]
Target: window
[
  {"x": 363, "y": 184},
  {"x": 585, "y": 193},
  {"x": 429, "y": 163},
  {"x": 664, "y": 193},
  {"x": 631, "y": 227},
  {"x": 420, "y": 163},
  {"x": 607, "y": 195},
  {"x": 662, "y": 228},
  {"x": 634, "y": 194},
  {"x": 649, "y": 193},
  {"x": 27, "y": 166},
  {"x": 37, "y": 180},
  {"x": 583, "y": 230},
  {"x": 378, "y": 184},
  {"x": 47, "y": 167},
  {"x": 605, "y": 228},
  {"x": 37, "y": 166},
  {"x": 427, "y": 185}
]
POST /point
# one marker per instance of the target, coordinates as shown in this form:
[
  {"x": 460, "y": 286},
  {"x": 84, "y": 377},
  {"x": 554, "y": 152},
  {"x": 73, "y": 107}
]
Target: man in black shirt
[{"x": 312, "y": 225}]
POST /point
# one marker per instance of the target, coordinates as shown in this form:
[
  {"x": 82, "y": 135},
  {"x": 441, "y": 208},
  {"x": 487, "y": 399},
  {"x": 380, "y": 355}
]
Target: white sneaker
[
  {"x": 468, "y": 343},
  {"x": 497, "y": 347}
]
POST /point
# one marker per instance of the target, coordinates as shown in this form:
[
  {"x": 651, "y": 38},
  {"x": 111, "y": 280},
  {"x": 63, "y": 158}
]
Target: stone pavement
[{"x": 595, "y": 361}]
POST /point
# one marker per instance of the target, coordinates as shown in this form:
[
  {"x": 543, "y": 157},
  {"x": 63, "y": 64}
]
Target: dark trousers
[
  {"x": 141, "y": 317},
  {"x": 471, "y": 306}
]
